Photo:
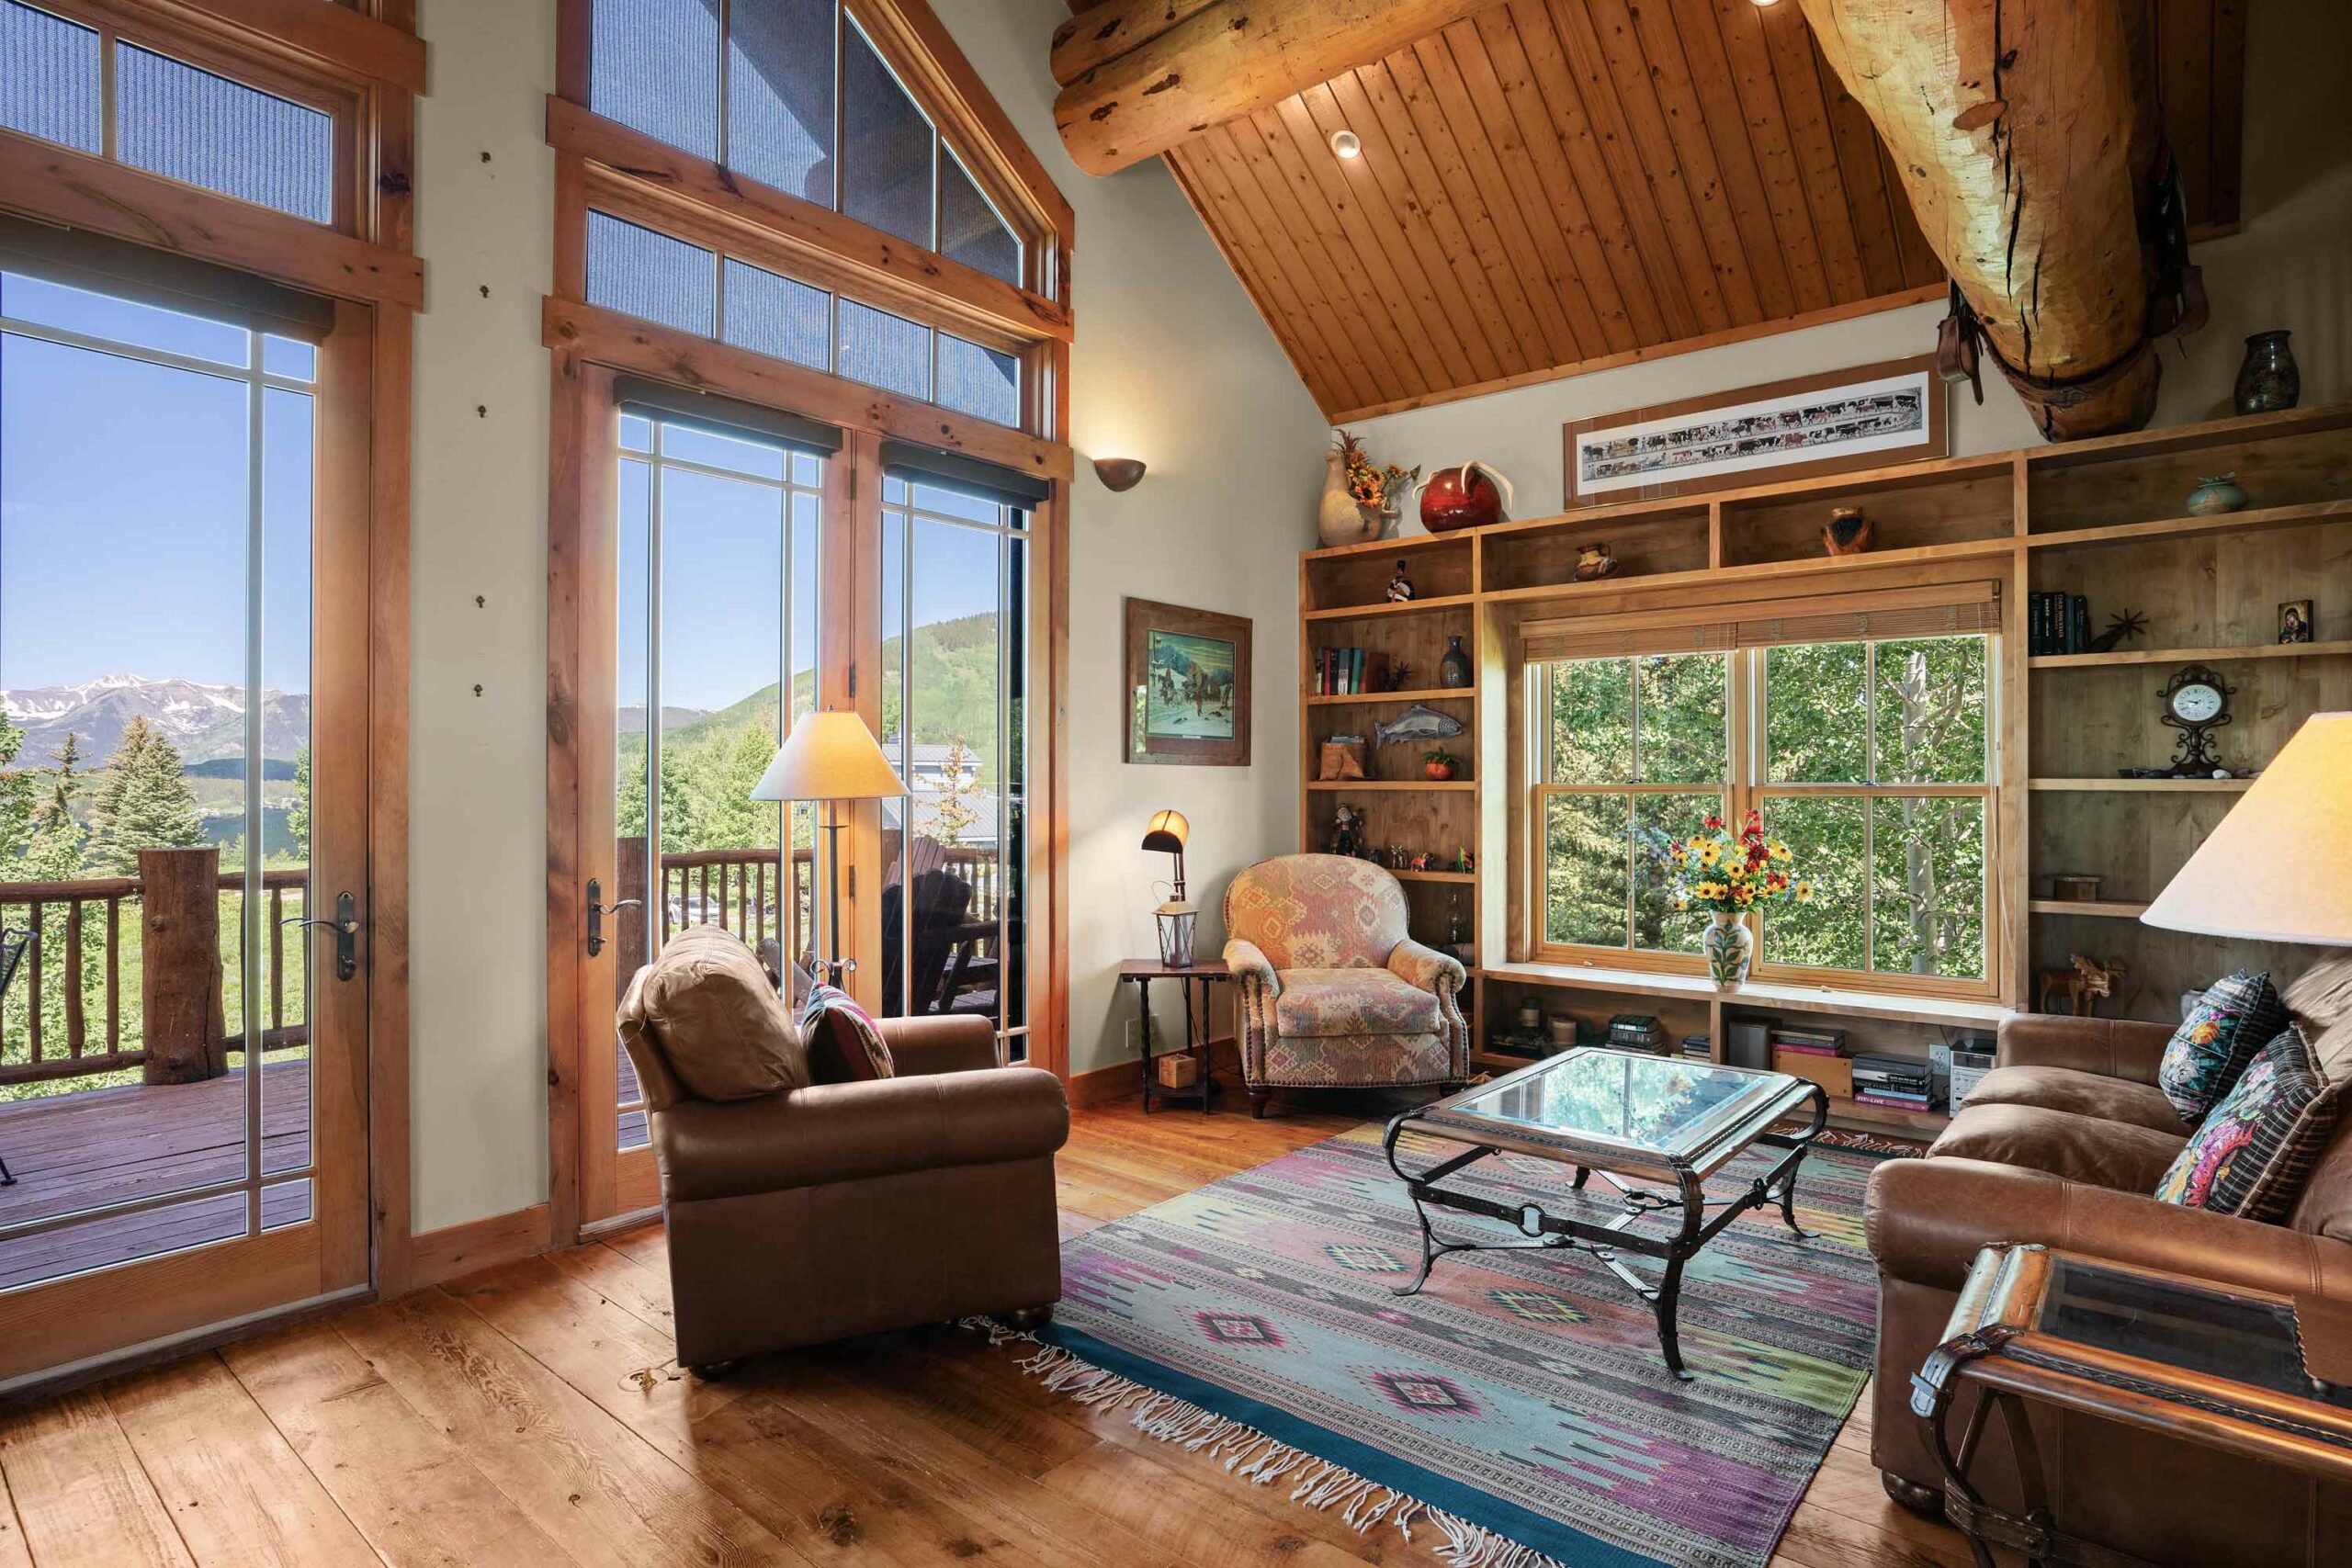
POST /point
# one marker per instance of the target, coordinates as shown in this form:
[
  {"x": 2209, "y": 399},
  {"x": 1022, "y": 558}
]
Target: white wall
[
  {"x": 2290, "y": 266},
  {"x": 1172, "y": 365}
]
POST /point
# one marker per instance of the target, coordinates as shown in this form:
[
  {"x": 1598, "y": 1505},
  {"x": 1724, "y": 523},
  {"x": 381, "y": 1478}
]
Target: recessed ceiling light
[
  {"x": 1766, "y": 4},
  {"x": 1345, "y": 145}
]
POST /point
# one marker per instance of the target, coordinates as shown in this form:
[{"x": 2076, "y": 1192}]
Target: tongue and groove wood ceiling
[{"x": 1551, "y": 187}]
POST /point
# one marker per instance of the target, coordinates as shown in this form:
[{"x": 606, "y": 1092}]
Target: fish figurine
[{"x": 1416, "y": 722}]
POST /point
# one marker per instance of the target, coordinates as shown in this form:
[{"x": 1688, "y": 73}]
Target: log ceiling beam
[
  {"x": 2027, "y": 139},
  {"x": 1142, "y": 76}
]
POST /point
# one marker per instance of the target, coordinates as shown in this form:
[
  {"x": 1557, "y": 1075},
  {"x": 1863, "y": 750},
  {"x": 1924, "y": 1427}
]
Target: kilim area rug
[{"x": 1517, "y": 1406}]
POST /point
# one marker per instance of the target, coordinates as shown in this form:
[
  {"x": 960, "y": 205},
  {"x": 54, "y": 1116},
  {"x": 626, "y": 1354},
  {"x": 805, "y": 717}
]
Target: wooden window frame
[
  {"x": 1745, "y": 789},
  {"x": 605, "y": 166},
  {"x": 367, "y": 59}
]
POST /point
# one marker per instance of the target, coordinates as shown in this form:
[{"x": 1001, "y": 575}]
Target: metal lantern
[{"x": 1176, "y": 922}]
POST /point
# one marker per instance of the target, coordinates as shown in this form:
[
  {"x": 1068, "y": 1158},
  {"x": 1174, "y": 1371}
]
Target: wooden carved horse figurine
[{"x": 2083, "y": 986}]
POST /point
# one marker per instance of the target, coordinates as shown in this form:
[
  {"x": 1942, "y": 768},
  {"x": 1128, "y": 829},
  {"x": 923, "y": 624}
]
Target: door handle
[
  {"x": 345, "y": 926},
  {"x": 597, "y": 912}
]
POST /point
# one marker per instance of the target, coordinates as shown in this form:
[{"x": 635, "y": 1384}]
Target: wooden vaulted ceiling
[{"x": 1549, "y": 187}]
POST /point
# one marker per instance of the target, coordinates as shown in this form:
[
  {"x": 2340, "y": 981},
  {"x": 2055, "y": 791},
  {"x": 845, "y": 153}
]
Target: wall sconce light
[
  {"x": 1766, "y": 4},
  {"x": 1345, "y": 145},
  {"x": 1118, "y": 473}
]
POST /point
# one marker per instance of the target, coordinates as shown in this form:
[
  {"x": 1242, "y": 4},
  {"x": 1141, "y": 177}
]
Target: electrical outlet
[{"x": 1134, "y": 1037}]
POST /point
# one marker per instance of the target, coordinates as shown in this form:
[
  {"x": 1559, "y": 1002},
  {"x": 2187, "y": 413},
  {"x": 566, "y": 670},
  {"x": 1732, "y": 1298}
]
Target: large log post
[
  {"x": 2028, "y": 140},
  {"x": 179, "y": 968},
  {"x": 1144, "y": 75}
]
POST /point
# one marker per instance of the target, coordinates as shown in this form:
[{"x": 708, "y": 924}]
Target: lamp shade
[
  {"x": 2279, "y": 868},
  {"x": 829, "y": 756},
  {"x": 1168, "y": 832}
]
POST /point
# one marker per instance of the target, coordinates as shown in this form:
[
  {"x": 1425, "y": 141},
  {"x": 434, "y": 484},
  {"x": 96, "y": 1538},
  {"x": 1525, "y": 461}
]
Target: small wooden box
[
  {"x": 1182, "y": 1070},
  {"x": 1835, "y": 1074}
]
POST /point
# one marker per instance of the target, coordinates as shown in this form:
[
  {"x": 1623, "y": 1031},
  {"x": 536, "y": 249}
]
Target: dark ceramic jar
[{"x": 2268, "y": 381}]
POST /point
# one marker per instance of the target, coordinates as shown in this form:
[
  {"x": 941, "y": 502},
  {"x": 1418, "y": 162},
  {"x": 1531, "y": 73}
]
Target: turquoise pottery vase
[{"x": 1730, "y": 947}]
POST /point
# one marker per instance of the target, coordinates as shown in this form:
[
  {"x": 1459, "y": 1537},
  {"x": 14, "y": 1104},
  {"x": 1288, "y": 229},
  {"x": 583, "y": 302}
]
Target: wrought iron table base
[{"x": 1556, "y": 1233}]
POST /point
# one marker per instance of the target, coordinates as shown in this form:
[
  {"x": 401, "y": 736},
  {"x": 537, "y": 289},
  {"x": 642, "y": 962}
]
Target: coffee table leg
[
  {"x": 1582, "y": 1177},
  {"x": 1670, "y": 1336},
  {"x": 1805, "y": 1146}
]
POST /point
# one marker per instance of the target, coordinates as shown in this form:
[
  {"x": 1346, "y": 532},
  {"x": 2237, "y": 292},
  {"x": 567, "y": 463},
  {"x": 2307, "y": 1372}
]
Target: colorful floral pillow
[
  {"x": 2232, "y": 1021},
  {"x": 2256, "y": 1149},
  {"x": 844, "y": 1046}
]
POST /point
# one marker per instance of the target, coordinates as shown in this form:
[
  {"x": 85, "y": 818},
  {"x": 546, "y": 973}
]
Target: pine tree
[
  {"x": 144, "y": 804},
  {"x": 55, "y": 852},
  {"x": 297, "y": 810},
  {"x": 19, "y": 787}
]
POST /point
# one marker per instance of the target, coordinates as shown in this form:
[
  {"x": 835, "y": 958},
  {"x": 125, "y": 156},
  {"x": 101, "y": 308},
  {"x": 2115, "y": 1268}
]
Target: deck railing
[{"x": 74, "y": 927}]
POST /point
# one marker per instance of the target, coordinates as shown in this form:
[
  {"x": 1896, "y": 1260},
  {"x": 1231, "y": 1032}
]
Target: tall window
[
  {"x": 1870, "y": 756},
  {"x": 955, "y": 683}
]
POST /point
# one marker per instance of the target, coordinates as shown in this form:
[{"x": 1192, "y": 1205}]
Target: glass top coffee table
[{"x": 1664, "y": 1120}]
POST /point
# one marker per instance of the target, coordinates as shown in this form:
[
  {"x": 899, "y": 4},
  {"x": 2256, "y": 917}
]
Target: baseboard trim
[
  {"x": 486, "y": 1243},
  {"x": 1121, "y": 1079}
]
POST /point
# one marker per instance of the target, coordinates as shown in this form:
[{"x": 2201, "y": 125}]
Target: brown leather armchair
[
  {"x": 2060, "y": 1144},
  {"x": 851, "y": 1208}
]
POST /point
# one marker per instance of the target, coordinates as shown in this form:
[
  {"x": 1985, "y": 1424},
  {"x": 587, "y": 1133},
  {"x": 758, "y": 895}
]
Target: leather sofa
[
  {"x": 2060, "y": 1144},
  {"x": 843, "y": 1209},
  {"x": 1334, "y": 992}
]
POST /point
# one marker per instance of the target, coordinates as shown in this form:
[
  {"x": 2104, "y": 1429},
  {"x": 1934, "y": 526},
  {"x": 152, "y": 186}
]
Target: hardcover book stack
[
  {"x": 1896, "y": 1083},
  {"x": 2060, "y": 623},
  {"x": 1808, "y": 1041}
]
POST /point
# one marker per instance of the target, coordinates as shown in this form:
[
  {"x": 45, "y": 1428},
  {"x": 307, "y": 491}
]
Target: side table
[
  {"x": 2237, "y": 1370},
  {"x": 1205, "y": 974}
]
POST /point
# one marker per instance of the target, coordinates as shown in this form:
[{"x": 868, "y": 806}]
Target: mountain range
[{"x": 206, "y": 722}]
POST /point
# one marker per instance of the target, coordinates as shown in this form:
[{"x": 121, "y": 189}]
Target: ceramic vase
[
  {"x": 2216, "y": 494},
  {"x": 2268, "y": 381},
  {"x": 1337, "y": 519},
  {"x": 1454, "y": 669},
  {"x": 1730, "y": 947}
]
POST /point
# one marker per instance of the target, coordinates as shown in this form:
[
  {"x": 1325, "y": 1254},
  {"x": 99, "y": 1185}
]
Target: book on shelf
[
  {"x": 1885, "y": 1101},
  {"x": 1814, "y": 1042},
  {"x": 2058, "y": 622},
  {"x": 1699, "y": 1048},
  {"x": 1350, "y": 671}
]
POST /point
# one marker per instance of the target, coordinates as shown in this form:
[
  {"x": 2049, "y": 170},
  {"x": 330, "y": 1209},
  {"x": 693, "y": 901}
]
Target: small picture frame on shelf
[{"x": 2295, "y": 621}]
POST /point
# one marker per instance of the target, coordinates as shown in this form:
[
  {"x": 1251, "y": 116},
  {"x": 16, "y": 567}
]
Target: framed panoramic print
[
  {"x": 1864, "y": 417},
  {"x": 1188, "y": 685}
]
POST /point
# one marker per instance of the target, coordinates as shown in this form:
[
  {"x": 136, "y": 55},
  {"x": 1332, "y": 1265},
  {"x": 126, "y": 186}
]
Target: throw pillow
[
  {"x": 2256, "y": 1149},
  {"x": 844, "y": 1046},
  {"x": 2232, "y": 1021},
  {"x": 717, "y": 1019}
]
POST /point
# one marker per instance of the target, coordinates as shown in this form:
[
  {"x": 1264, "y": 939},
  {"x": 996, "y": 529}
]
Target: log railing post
[{"x": 179, "y": 971}]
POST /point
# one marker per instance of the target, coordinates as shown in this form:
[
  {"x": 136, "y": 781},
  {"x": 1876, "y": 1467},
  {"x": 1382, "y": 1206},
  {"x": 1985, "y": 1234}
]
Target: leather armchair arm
[
  {"x": 2111, "y": 1047},
  {"x": 1425, "y": 969},
  {"x": 922, "y": 1047},
  {"x": 848, "y": 1132},
  {"x": 1927, "y": 1218},
  {"x": 1250, "y": 966}
]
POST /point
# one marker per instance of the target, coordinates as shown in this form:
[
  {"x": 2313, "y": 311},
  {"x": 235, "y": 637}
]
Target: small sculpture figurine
[
  {"x": 2121, "y": 629},
  {"x": 2082, "y": 986},
  {"x": 1418, "y": 863},
  {"x": 1463, "y": 863},
  {"x": 1400, "y": 587},
  {"x": 1400, "y": 676},
  {"x": 1594, "y": 562},
  {"x": 1397, "y": 859},
  {"x": 1347, "y": 830},
  {"x": 1848, "y": 532}
]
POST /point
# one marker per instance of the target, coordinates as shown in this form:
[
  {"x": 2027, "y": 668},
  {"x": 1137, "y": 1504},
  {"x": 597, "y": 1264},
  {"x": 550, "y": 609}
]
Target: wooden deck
[
  {"x": 70, "y": 1152},
  {"x": 503, "y": 1419}
]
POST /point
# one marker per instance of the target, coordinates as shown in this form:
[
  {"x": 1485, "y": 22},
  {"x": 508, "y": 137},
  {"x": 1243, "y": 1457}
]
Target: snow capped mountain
[{"x": 206, "y": 722}]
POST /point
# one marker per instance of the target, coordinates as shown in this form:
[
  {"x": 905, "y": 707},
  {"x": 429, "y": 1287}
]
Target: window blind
[
  {"x": 1009, "y": 486},
  {"x": 150, "y": 276},
  {"x": 1956, "y": 609},
  {"x": 724, "y": 416}
]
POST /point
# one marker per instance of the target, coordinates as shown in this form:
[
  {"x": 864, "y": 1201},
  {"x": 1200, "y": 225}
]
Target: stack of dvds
[{"x": 1896, "y": 1083}]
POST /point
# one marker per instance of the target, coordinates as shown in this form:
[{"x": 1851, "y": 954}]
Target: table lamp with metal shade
[
  {"x": 1168, "y": 833},
  {"x": 830, "y": 757},
  {"x": 2278, "y": 867}
]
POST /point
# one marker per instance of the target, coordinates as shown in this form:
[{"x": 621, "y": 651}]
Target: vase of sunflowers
[
  {"x": 1361, "y": 499},
  {"x": 1727, "y": 873}
]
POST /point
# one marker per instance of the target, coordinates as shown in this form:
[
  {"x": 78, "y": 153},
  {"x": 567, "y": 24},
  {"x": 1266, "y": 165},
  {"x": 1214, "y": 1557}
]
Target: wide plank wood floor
[{"x": 530, "y": 1415}]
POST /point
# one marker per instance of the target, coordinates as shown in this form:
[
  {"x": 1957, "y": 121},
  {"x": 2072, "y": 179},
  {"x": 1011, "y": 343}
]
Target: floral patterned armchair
[{"x": 1333, "y": 993}]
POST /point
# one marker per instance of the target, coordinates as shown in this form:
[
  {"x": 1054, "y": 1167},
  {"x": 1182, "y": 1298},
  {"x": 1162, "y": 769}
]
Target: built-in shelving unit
[{"x": 2102, "y": 518}]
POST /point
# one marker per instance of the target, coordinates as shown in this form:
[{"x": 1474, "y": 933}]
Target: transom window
[
  {"x": 793, "y": 94},
  {"x": 1868, "y": 755}
]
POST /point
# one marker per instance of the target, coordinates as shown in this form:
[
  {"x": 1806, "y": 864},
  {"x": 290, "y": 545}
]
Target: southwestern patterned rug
[{"x": 1518, "y": 1405}]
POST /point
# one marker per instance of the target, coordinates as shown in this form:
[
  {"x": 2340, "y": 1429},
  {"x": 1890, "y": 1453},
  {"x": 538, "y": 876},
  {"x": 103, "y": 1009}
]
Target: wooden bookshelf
[{"x": 2102, "y": 518}]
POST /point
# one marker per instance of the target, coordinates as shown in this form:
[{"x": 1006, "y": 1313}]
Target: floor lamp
[
  {"x": 2278, "y": 867},
  {"x": 830, "y": 757}
]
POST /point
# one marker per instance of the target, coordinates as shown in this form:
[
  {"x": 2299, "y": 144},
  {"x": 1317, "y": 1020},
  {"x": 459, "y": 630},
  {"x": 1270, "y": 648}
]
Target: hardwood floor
[{"x": 528, "y": 1414}]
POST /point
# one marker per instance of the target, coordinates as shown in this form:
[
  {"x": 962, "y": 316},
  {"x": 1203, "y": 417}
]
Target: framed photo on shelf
[
  {"x": 2295, "y": 621},
  {"x": 1187, "y": 695},
  {"x": 1864, "y": 417}
]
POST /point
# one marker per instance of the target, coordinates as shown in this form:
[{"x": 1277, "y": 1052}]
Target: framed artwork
[
  {"x": 1188, "y": 685},
  {"x": 2295, "y": 621},
  {"x": 1864, "y": 417}
]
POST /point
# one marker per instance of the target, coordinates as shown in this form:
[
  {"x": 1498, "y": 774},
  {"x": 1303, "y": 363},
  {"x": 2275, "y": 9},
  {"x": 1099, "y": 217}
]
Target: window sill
[{"x": 1943, "y": 1010}]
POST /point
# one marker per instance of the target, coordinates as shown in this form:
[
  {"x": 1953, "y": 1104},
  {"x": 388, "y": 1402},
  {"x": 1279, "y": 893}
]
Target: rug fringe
[{"x": 1251, "y": 1456}]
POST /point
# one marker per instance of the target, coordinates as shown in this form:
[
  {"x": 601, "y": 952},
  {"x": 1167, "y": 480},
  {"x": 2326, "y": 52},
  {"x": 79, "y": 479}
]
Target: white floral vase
[{"x": 1730, "y": 947}]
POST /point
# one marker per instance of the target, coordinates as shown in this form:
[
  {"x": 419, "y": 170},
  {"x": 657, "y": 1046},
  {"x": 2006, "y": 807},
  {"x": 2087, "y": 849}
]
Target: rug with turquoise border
[{"x": 1517, "y": 1406}]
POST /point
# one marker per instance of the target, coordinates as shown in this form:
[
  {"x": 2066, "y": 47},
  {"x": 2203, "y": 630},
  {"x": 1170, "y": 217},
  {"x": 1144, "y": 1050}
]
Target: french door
[
  {"x": 721, "y": 570},
  {"x": 183, "y": 956}
]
